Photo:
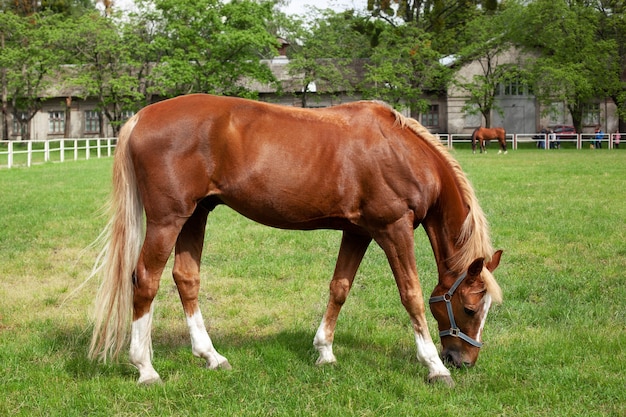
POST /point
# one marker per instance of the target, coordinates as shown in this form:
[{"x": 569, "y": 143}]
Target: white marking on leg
[
  {"x": 201, "y": 344},
  {"x": 141, "y": 349},
  {"x": 428, "y": 356},
  {"x": 323, "y": 346}
]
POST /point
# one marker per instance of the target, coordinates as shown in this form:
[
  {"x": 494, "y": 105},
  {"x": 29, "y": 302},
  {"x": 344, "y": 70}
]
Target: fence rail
[
  {"x": 28, "y": 153},
  {"x": 538, "y": 140}
]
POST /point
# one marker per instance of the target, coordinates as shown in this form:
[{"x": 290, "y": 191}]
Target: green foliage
[
  {"x": 104, "y": 65},
  {"x": 404, "y": 68},
  {"x": 555, "y": 347},
  {"x": 486, "y": 44},
  {"x": 329, "y": 52},
  {"x": 573, "y": 64},
  {"x": 214, "y": 45},
  {"x": 27, "y": 62}
]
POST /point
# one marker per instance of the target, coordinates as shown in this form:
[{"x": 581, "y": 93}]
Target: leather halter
[{"x": 454, "y": 331}]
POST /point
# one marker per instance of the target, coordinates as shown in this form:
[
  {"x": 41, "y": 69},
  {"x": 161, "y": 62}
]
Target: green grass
[{"x": 556, "y": 347}]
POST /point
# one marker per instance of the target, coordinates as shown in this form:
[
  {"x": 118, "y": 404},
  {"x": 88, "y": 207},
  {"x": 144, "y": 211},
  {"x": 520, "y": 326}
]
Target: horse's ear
[
  {"x": 495, "y": 261},
  {"x": 476, "y": 268}
]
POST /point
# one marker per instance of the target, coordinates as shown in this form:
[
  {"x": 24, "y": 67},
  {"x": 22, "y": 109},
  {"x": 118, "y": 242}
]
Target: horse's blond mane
[{"x": 474, "y": 240}]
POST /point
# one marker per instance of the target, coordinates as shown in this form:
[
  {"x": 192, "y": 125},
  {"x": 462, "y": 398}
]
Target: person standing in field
[{"x": 598, "y": 138}]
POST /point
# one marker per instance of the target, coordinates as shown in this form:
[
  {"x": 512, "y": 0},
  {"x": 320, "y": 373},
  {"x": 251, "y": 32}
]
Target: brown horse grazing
[
  {"x": 361, "y": 168},
  {"x": 483, "y": 134}
]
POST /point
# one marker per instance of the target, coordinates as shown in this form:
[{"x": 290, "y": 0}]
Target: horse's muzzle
[{"x": 455, "y": 358}]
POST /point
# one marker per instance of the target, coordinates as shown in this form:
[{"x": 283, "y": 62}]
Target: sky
[{"x": 300, "y": 6}]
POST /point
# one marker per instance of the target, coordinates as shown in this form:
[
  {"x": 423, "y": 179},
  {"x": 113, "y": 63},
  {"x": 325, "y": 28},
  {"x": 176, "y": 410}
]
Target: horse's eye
[{"x": 469, "y": 312}]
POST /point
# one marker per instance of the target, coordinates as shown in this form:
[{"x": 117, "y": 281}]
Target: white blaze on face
[{"x": 485, "y": 310}]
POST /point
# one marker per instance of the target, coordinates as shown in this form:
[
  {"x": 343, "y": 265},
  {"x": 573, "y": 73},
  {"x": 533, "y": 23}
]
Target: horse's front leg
[
  {"x": 397, "y": 241},
  {"x": 351, "y": 252},
  {"x": 186, "y": 273}
]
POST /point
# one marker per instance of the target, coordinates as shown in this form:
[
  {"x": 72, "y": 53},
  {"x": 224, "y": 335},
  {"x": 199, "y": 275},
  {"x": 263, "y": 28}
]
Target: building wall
[{"x": 522, "y": 113}]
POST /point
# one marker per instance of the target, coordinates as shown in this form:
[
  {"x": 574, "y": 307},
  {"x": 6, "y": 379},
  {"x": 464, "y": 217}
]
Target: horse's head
[{"x": 461, "y": 311}]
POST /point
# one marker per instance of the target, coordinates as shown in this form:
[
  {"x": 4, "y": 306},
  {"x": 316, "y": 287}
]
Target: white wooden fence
[
  {"x": 538, "y": 140},
  {"x": 30, "y": 152}
]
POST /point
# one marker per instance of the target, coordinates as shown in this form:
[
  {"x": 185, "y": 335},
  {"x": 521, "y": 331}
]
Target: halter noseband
[{"x": 454, "y": 331}]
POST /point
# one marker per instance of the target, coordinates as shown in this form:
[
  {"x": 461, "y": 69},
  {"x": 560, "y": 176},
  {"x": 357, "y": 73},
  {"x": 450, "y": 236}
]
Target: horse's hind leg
[
  {"x": 187, "y": 277},
  {"x": 156, "y": 249},
  {"x": 353, "y": 248}
]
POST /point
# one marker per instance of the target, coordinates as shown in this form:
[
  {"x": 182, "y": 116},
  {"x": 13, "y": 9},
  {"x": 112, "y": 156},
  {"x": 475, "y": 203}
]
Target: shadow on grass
[{"x": 70, "y": 346}]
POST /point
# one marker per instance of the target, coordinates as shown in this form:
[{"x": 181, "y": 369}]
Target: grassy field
[{"x": 556, "y": 347}]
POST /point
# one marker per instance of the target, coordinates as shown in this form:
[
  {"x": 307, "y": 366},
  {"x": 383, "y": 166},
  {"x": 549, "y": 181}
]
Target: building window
[
  {"x": 92, "y": 121},
  {"x": 17, "y": 126},
  {"x": 431, "y": 118},
  {"x": 591, "y": 114},
  {"x": 127, "y": 115},
  {"x": 514, "y": 87},
  {"x": 56, "y": 123}
]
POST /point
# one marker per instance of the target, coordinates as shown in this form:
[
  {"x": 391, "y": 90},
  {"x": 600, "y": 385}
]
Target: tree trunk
[
  {"x": 68, "y": 117},
  {"x": 5, "y": 97}
]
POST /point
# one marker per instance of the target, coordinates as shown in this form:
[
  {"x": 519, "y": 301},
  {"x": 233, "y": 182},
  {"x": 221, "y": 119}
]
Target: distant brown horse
[
  {"x": 362, "y": 168},
  {"x": 483, "y": 134}
]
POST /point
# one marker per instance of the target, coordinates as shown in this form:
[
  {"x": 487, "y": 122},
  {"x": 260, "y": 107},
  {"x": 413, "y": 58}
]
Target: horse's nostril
[{"x": 453, "y": 358}]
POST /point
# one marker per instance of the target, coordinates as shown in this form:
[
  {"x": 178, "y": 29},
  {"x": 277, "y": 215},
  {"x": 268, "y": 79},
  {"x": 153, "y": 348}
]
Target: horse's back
[{"x": 281, "y": 166}]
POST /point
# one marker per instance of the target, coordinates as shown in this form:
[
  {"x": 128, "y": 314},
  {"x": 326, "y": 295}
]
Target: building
[{"x": 66, "y": 115}]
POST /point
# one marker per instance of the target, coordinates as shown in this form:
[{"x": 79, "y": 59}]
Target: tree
[
  {"x": 144, "y": 37},
  {"x": 104, "y": 69},
  {"x": 444, "y": 20},
  {"x": 488, "y": 42},
  {"x": 214, "y": 46},
  {"x": 573, "y": 64},
  {"x": 404, "y": 68},
  {"x": 611, "y": 28},
  {"x": 27, "y": 62},
  {"x": 328, "y": 54}
]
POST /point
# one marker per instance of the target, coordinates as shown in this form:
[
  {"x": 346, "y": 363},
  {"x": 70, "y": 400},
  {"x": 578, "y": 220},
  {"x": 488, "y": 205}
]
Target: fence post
[
  {"x": 99, "y": 143},
  {"x": 62, "y": 150},
  {"x": 29, "y": 153},
  {"x": 87, "y": 153},
  {"x": 10, "y": 155}
]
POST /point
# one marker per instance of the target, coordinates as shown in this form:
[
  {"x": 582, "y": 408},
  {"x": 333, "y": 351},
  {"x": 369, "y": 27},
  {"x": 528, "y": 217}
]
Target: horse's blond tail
[{"x": 116, "y": 262}]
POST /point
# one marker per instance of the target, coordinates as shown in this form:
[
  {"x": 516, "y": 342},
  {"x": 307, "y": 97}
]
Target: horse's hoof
[
  {"x": 225, "y": 365},
  {"x": 325, "y": 361},
  {"x": 441, "y": 379},
  {"x": 150, "y": 381}
]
